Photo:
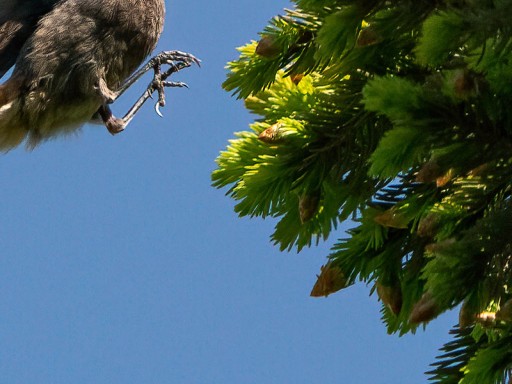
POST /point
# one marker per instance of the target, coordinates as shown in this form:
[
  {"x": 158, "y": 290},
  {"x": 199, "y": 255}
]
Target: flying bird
[{"x": 72, "y": 59}]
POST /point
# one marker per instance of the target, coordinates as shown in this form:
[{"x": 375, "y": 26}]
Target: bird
[{"x": 71, "y": 59}]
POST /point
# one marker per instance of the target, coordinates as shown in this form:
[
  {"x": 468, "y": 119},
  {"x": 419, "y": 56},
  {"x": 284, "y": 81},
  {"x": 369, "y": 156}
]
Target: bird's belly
[{"x": 48, "y": 117}]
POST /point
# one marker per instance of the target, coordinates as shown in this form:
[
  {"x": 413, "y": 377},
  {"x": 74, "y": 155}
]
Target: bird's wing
[{"x": 18, "y": 20}]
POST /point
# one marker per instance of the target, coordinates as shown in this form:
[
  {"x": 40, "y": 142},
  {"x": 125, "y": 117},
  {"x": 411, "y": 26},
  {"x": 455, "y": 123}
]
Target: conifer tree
[{"x": 398, "y": 115}]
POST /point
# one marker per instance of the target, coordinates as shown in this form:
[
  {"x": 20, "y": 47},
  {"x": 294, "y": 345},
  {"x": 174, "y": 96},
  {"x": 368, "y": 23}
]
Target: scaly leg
[{"x": 177, "y": 60}]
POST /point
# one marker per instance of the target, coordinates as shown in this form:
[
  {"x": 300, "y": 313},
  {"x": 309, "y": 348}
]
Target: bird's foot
[{"x": 175, "y": 59}]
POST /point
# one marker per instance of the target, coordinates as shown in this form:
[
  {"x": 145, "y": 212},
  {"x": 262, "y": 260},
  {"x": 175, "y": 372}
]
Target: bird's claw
[
  {"x": 159, "y": 83},
  {"x": 160, "y": 103},
  {"x": 171, "y": 57},
  {"x": 159, "y": 86},
  {"x": 157, "y": 110},
  {"x": 178, "y": 84},
  {"x": 176, "y": 60}
]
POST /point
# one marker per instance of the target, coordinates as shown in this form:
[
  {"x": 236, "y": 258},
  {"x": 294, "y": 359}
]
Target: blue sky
[{"x": 121, "y": 264}]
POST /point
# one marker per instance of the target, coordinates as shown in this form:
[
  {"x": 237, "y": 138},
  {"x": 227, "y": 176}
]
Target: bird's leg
[
  {"x": 177, "y": 60},
  {"x": 108, "y": 95},
  {"x": 113, "y": 124}
]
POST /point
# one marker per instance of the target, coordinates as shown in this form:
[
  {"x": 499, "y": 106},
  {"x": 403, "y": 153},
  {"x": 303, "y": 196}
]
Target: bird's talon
[
  {"x": 157, "y": 110},
  {"x": 178, "y": 84}
]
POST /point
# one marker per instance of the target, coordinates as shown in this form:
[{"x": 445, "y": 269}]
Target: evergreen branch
[
  {"x": 449, "y": 369},
  {"x": 397, "y": 115}
]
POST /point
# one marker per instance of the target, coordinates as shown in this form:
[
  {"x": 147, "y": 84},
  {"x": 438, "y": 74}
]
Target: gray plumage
[
  {"x": 70, "y": 57},
  {"x": 18, "y": 20}
]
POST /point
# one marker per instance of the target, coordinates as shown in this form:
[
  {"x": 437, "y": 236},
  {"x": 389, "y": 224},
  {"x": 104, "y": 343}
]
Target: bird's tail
[{"x": 12, "y": 128}]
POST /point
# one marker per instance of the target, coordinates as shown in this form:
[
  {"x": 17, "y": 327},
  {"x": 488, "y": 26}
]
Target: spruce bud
[
  {"x": 463, "y": 84},
  {"x": 466, "y": 315},
  {"x": 330, "y": 280},
  {"x": 272, "y": 134},
  {"x": 429, "y": 172},
  {"x": 296, "y": 78},
  {"x": 428, "y": 225},
  {"x": 424, "y": 310},
  {"x": 368, "y": 36},
  {"x": 392, "y": 219},
  {"x": 308, "y": 206},
  {"x": 505, "y": 312},
  {"x": 268, "y": 47},
  {"x": 391, "y": 296}
]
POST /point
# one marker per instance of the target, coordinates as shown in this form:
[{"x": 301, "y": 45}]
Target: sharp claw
[
  {"x": 192, "y": 60},
  {"x": 157, "y": 109},
  {"x": 197, "y": 62},
  {"x": 177, "y": 56},
  {"x": 174, "y": 84}
]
